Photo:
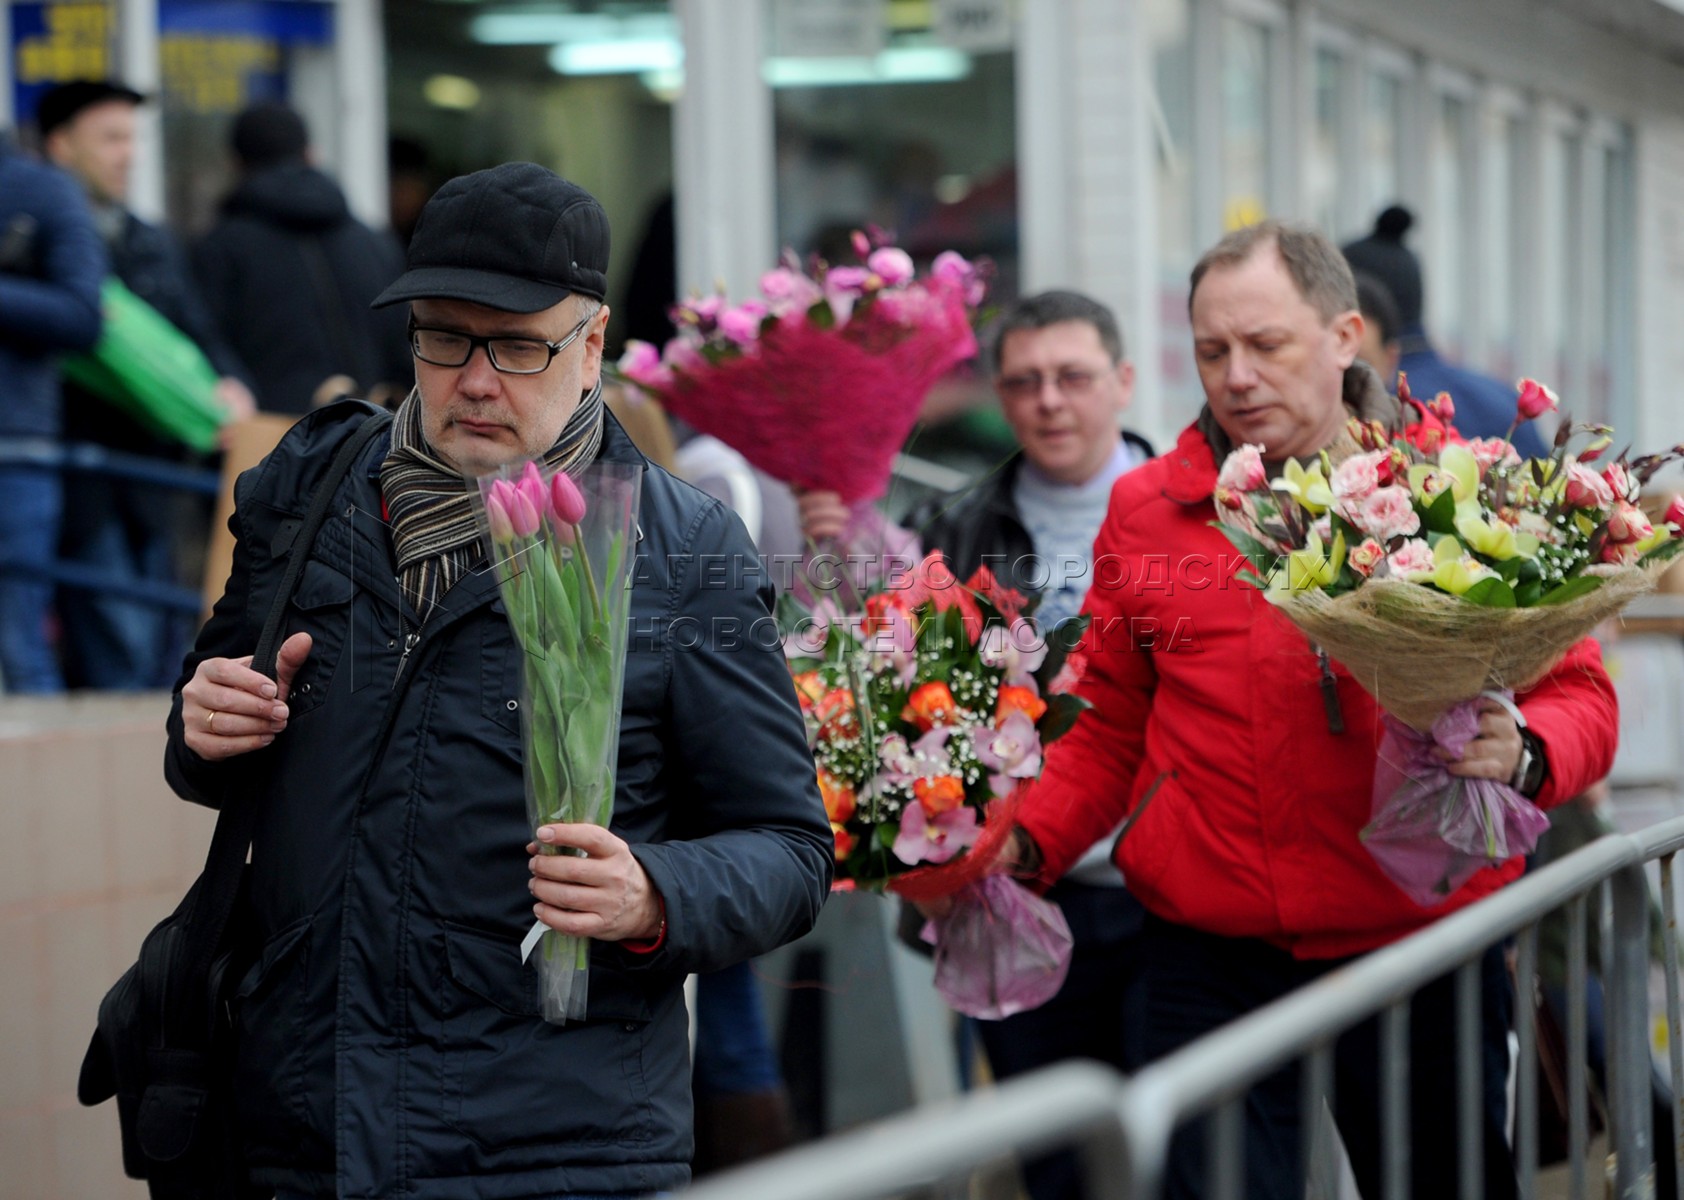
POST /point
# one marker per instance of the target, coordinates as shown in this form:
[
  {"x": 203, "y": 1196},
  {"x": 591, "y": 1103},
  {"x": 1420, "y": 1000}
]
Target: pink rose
[
  {"x": 1368, "y": 555},
  {"x": 1675, "y": 513},
  {"x": 681, "y": 355},
  {"x": 1357, "y": 478},
  {"x": 1619, "y": 481},
  {"x": 1389, "y": 512},
  {"x": 1628, "y": 523},
  {"x": 1491, "y": 452},
  {"x": 742, "y": 324},
  {"x": 846, "y": 279},
  {"x": 1623, "y": 554},
  {"x": 1586, "y": 489},
  {"x": 1535, "y": 399},
  {"x": 951, "y": 270},
  {"x": 891, "y": 264},
  {"x": 1414, "y": 555},
  {"x": 1243, "y": 470}
]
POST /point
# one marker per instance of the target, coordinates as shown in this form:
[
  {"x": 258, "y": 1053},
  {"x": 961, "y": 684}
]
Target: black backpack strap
[{"x": 236, "y": 822}]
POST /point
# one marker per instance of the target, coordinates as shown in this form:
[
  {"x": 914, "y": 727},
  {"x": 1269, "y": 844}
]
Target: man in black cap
[
  {"x": 128, "y": 531},
  {"x": 389, "y": 1037},
  {"x": 289, "y": 273},
  {"x": 1485, "y": 407}
]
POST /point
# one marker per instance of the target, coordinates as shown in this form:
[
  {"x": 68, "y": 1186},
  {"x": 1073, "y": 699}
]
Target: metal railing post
[{"x": 1626, "y": 978}]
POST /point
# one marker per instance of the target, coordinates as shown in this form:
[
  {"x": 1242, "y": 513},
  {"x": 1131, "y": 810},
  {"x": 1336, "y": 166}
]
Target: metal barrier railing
[
  {"x": 85, "y": 458},
  {"x": 1123, "y": 1128}
]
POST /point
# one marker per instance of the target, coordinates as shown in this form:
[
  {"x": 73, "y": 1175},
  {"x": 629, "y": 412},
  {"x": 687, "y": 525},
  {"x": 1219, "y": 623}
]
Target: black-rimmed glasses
[{"x": 510, "y": 355}]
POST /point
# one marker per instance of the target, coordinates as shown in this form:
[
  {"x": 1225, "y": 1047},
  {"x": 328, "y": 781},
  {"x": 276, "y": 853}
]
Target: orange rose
[
  {"x": 940, "y": 794},
  {"x": 835, "y": 712},
  {"x": 929, "y": 706},
  {"x": 808, "y": 688},
  {"x": 844, "y": 841},
  {"x": 1019, "y": 699},
  {"x": 839, "y": 800}
]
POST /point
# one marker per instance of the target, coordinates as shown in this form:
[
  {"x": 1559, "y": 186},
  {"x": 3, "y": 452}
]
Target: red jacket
[{"x": 1197, "y": 681}]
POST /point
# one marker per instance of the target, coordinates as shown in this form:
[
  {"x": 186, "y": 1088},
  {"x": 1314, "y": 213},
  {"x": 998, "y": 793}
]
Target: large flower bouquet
[
  {"x": 819, "y": 380},
  {"x": 926, "y": 712},
  {"x": 1437, "y": 571},
  {"x": 561, "y": 548}
]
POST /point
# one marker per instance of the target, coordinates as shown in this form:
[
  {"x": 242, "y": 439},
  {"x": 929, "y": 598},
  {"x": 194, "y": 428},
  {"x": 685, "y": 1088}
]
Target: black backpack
[{"x": 164, "y": 1042}]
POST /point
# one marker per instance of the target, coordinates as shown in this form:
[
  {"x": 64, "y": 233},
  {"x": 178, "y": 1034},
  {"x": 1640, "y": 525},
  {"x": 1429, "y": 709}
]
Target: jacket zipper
[
  {"x": 409, "y": 641},
  {"x": 1330, "y": 694}
]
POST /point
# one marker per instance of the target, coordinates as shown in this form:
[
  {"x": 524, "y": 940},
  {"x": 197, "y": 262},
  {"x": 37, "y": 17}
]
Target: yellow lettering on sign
[
  {"x": 207, "y": 74},
  {"x": 76, "y": 45}
]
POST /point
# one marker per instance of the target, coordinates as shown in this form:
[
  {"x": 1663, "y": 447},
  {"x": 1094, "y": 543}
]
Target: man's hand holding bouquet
[{"x": 1446, "y": 575}]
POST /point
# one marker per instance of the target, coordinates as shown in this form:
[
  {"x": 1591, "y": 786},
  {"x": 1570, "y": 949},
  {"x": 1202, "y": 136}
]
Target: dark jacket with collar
[
  {"x": 983, "y": 526},
  {"x": 289, "y": 274},
  {"x": 51, "y": 265},
  {"x": 390, "y": 1042}
]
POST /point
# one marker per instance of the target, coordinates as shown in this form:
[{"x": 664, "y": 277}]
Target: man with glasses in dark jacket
[{"x": 389, "y": 1039}]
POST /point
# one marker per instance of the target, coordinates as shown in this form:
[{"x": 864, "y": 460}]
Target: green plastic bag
[{"x": 151, "y": 370}]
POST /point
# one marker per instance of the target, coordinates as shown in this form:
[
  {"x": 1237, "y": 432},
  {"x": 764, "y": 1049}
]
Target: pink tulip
[
  {"x": 862, "y": 244},
  {"x": 497, "y": 514},
  {"x": 1443, "y": 407},
  {"x": 566, "y": 501},
  {"x": 1535, "y": 400},
  {"x": 523, "y": 514}
]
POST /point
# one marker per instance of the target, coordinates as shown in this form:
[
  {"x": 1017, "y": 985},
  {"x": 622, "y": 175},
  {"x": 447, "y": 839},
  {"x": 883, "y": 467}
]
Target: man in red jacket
[{"x": 1258, "y": 752}]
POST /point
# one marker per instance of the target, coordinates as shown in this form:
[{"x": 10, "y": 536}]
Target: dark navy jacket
[
  {"x": 390, "y": 1043},
  {"x": 1485, "y": 407},
  {"x": 51, "y": 266}
]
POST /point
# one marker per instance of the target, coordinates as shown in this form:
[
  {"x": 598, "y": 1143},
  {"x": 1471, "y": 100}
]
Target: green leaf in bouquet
[
  {"x": 1491, "y": 592},
  {"x": 1260, "y": 556},
  {"x": 1060, "y": 642},
  {"x": 1572, "y": 589},
  {"x": 885, "y": 834},
  {"x": 1440, "y": 515},
  {"x": 1528, "y": 593},
  {"x": 821, "y": 315},
  {"x": 1508, "y": 568},
  {"x": 1662, "y": 552},
  {"x": 1062, "y": 710}
]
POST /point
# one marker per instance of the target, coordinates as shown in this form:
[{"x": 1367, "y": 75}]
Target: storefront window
[
  {"x": 1383, "y": 140},
  {"x": 1504, "y": 171},
  {"x": 583, "y": 88},
  {"x": 1169, "y": 26},
  {"x": 884, "y": 117},
  {"x": 1560, "y": 232}
]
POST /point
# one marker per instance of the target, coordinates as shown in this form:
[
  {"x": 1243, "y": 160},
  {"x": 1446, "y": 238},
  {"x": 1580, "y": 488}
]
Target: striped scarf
[{"x": 434, "y": 528}]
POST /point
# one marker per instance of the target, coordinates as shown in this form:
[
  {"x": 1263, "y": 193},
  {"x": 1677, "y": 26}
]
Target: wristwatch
[{"x": 1528, "y": 774}]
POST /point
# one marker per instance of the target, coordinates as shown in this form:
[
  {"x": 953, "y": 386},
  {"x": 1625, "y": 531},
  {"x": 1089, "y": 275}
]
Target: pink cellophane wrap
[
  {"x": 1000, "y": 949},
  {"x": 827, "y": 408},
  {"x": 1431, "y": 830}
]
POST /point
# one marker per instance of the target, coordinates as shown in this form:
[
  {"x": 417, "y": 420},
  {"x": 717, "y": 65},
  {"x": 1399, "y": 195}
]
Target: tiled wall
[{"x": 94, "y": 850}]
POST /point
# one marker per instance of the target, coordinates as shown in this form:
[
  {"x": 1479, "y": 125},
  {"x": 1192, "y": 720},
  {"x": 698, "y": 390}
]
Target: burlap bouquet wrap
[{"x": 1418, "y": 651}]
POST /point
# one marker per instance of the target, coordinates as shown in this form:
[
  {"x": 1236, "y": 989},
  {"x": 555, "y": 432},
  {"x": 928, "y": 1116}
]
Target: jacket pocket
[
  {"x": 512, "y": 1079},
  {"x": 320, "y": 607},
  {"x": 270, "y": 1056},
  {"x": 500, "y": 698}
]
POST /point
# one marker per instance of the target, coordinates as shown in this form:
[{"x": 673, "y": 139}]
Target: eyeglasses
[
  {"x": 1071, "y": 381},
  {"x": 510, "y": 355}
]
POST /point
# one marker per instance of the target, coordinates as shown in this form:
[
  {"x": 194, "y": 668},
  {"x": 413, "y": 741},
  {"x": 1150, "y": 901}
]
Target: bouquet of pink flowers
[
  {"x": 817, "y": 381},
  {"x": 926, "y": 712},
  {"x": 1437, "y": 571}
]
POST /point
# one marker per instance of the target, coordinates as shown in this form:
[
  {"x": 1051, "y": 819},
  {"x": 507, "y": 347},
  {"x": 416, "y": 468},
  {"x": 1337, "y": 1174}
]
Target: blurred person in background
[
  {"x": 51, "y": 265},
  {"x": 289, "y": 274},
  {"x": 1485, "y": 407},
  {"x": 1064, "y": 384},
  {"x": 127, "y": 530},
  {"x": 1379, "y": 348}
]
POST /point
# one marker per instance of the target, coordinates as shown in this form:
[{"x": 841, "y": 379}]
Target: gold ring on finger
[{"x": 210, "y": 720}]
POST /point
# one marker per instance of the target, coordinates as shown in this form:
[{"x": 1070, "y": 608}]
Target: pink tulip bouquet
[
  {"x": 1439, "y": 570},
  {"x": 818, "y": 380},
  {"x": 562, "y": 550}
]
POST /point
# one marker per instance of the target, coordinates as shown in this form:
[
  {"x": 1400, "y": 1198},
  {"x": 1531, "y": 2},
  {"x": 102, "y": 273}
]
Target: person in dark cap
[
  {"x": 1485, "y": 407},
  {"x": 130, "y": 532},
  {"x": 388, "y": 1040},
  {"x": 290, "y": 273}
]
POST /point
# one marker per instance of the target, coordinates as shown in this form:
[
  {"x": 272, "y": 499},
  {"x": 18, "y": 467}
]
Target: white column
[
  {"x": 360, "y": 75},
  {"x": 8, "y": 118},
  {"x": 137, "y": 66},
  {"x": 1087, "y": 216},
  {"x": 723, "y": 154}
]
